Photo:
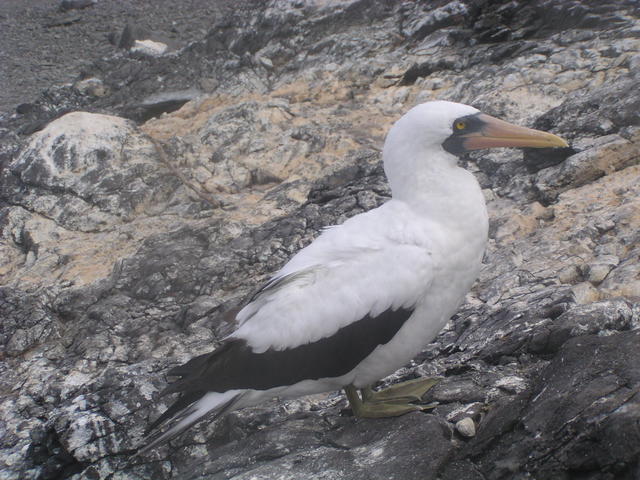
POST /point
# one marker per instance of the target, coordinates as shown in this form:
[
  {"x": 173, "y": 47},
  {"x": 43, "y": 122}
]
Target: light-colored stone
[
  {"x": 92, "y": 86},
  {"x": 585, "y": 293},
  {"x": 149, "y": 48},
  {"x": 598, "y": 270},
  {"x": 570, "y": 274},
  {"x": 466, "y": 427}
]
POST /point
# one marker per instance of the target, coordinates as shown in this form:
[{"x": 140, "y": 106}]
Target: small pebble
[
  {"x": 466, "y": 427},
  {"x": 149, "y": 48},
  {"x": 569, "y": 275}
]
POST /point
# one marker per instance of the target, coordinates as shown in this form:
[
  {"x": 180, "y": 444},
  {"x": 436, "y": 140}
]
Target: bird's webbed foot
[{"x": 393, "y": 401}]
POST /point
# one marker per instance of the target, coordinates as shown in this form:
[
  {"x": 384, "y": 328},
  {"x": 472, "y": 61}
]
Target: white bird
[{"x": 368, "y": 295}]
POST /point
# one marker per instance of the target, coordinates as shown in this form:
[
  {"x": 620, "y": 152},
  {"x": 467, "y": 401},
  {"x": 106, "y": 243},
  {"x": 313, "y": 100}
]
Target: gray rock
[
  {"x": 91, "y": 86},
  {"x": 608, "y": 109},
  {"x": 551, "y": 429},
  {"x": 158, "y": 103},
  {"x": 76, "y": 4},
  {"x": 27, "y": 321},
  {"x": 456, "y": 390},
  {"x": 587, "y": 166},
  {"x": 598, "y": 270},
  {"x": 419, "y": 26},
  {"x": 353, "y": 450},
  {"x": 116, "y": 266},
  {"x": 129, "y": 35},
  {"x": 86, "y": 172}
]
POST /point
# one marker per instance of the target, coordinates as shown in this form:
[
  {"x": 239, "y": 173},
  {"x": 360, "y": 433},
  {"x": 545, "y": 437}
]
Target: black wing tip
[
  {"x": 155, "y": 438},
  {"x": 177, "y": 412},
  {"x": 180, "y": 405}
]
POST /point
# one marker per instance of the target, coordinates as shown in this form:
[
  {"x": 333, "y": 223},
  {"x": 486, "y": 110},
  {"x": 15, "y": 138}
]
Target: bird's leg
[{"x": 391, "y": 402}]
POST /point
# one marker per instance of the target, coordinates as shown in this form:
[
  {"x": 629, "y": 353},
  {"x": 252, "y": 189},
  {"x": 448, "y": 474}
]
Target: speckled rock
[
  {"x": 124, "y": 244},
  {"x": 553, "y": 426},
  {"x": 86, "y": 172},
  {"x": 607, "y": 155}
]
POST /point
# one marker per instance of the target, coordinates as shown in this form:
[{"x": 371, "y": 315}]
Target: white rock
[
  {"x": 91, "y": 86},
  {"x": 466, "y": 427},
  {"x": 511, "y": 383},
  {"x": 149, "y": 48},
  {"x": 266, "y": 62}
]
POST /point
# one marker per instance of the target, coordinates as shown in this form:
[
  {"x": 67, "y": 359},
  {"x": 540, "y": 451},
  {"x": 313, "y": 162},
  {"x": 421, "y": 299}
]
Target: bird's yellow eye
[{"x": 461, "y": 125}]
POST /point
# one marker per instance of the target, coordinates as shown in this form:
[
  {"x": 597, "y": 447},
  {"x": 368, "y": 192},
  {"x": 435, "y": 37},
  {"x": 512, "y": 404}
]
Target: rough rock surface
[{"x": 150, "y": 196}]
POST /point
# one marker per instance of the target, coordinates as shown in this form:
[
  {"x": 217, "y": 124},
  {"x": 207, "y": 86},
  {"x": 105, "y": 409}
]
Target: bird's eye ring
[{"x": 460, "y": 125}]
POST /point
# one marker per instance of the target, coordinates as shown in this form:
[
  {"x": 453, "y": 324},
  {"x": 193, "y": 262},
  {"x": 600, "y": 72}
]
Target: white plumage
[{"x": 420, "y": 252}]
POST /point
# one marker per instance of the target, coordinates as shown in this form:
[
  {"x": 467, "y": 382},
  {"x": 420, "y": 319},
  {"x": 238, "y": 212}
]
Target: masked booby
[{"x": 368, "y": 295}]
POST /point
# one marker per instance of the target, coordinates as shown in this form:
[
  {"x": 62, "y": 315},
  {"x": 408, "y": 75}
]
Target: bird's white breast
[{"x": 455, "y": 228}]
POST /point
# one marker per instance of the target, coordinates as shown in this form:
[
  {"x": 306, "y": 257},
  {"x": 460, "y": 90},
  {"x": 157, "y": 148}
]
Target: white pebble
[{"x": 466, "y": 427}]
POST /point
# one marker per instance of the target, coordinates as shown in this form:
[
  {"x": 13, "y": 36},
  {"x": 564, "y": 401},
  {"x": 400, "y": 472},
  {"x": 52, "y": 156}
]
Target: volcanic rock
[{"x": 134, "y": 223}]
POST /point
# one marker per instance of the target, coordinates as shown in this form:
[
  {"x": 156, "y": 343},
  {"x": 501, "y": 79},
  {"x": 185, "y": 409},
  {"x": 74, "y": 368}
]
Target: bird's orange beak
[{"x": 498, "y": 133}]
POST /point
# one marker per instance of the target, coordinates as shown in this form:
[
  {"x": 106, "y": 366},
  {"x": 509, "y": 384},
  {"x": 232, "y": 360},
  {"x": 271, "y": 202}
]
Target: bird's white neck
[{"x": 434, "y": 186}]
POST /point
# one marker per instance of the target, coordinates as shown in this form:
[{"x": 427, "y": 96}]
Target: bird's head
[
  {"x": 457, "y": 128},
  {"x": 430, "y": 136}
]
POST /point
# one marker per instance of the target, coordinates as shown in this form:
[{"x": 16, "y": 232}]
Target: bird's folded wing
[{"x": 337, "y": 284}]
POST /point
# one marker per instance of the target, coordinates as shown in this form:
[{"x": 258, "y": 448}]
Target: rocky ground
[
  {"x": 46, "y": 43},
  {"x": 148, "y": 195}
]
